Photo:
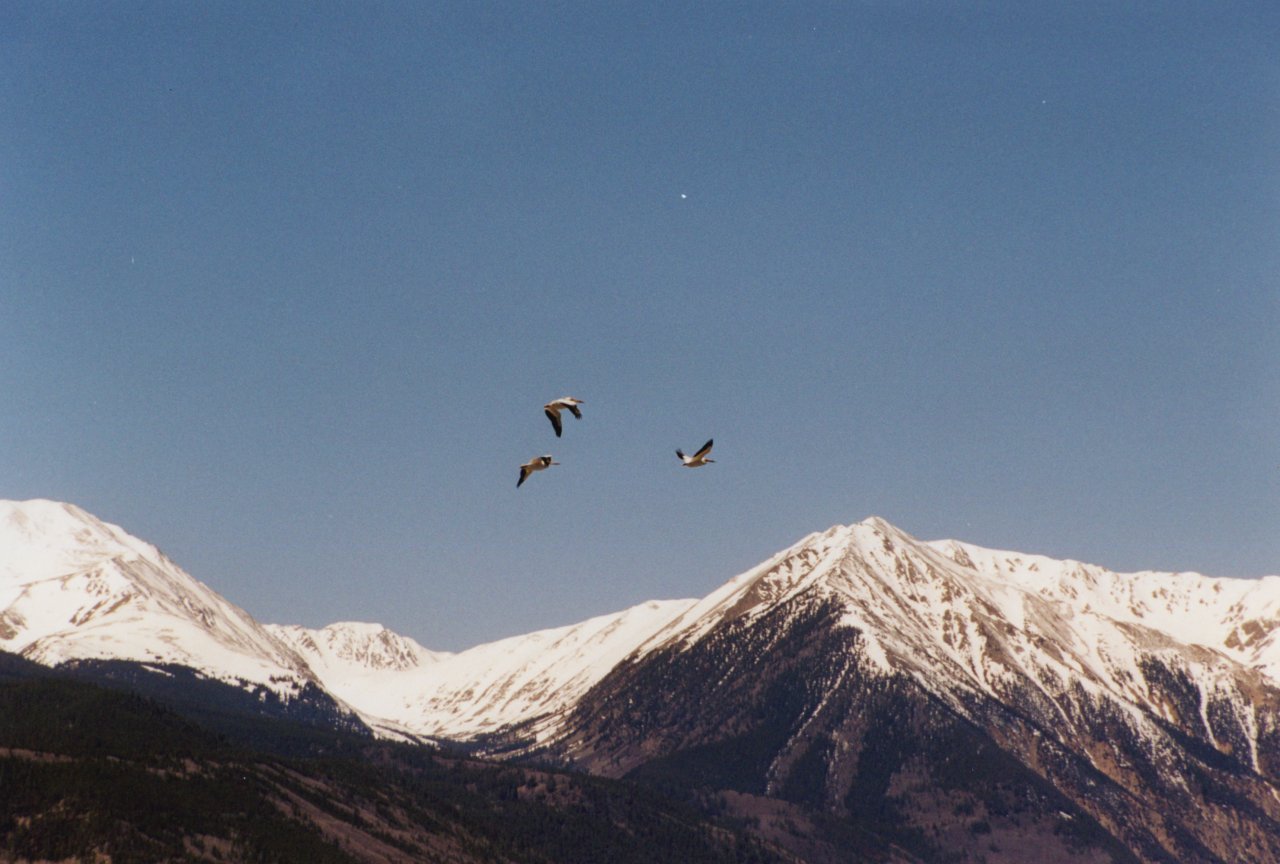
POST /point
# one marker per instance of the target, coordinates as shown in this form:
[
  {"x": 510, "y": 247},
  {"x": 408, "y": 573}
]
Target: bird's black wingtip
[{"x": 555, "y": 420}]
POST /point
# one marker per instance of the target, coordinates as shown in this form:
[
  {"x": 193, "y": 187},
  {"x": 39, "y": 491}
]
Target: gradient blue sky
[{"x": 284, "y": 286}]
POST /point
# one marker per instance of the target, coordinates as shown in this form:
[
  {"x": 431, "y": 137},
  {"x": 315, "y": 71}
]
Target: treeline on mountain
[
  {"x": 251, "y": 714},
  {"x": 256, "y": 719},
  {"x": 92, "y": 773}
]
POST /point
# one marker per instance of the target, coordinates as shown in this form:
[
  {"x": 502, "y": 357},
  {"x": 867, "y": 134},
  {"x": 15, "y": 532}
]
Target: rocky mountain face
[
  {"x": 861, "y": 696},
  {"x": 915, "y": 701}
]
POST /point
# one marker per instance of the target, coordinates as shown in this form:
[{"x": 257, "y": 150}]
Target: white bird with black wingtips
[
  {"x": 537, "y": 463},
  {"x": 698, "y": 459},
  {"x": 553, "y": 410}
]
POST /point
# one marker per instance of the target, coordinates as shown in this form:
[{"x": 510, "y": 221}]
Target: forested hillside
[{"x": 89, "y": 773}]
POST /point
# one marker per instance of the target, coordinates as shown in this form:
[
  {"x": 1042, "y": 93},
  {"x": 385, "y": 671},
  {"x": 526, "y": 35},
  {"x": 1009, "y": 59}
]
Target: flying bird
[
  {"x": 553, "y": 410},
  {"x": 537, "y": 463},
  {"x": 697, "y": 459}
]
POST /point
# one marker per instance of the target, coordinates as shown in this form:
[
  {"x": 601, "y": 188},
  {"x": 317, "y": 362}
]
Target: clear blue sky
[{"x": 284, "y": 286}]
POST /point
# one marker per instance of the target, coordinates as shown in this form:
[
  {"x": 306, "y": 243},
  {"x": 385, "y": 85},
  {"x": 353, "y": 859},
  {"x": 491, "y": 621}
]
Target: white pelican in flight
[
  {"x": 697, "y": 459},
  {"x": 537, "y": 463},
  {"x": 553, "y": 410}
]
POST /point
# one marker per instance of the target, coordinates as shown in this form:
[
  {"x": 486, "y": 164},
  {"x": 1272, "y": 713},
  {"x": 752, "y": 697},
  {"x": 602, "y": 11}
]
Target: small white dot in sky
[{"x": 682, "y": 195}]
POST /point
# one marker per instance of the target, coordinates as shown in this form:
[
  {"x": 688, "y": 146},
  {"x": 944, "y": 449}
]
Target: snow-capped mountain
[
  {"x": 400, "y": 685},
  {"x": 976, "y": 619},
  {"x": 73, "y": 587},
  {"x": 891, "y": 684},
  {"x": 352, "y": 648},
  {"x": 861, "y": 695}
]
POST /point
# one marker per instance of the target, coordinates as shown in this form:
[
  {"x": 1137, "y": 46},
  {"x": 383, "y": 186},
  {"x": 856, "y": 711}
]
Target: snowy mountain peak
[
  {"x": 75, "y": 587},
  {"x": 1239, "y": 617},
  {"x": 862, "y": 658},
  {"x": 958, "y": 617},
  {"x": 354, "y": 646},
  {"x": 962, "y": 618},
  {"x": 41, "y": 538},
  {"x": 1235, "y": 616}
]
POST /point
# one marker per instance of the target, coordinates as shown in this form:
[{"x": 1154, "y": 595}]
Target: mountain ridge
[
  {"x": 75, "y": 587},
  {"x": 878, "y": 647},
  {"x": 906, "y": 697},
  {"x": 45, "y": 546}
]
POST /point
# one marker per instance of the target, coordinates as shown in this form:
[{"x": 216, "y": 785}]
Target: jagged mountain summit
[
  {"x": 935, "y": 699},
  {"x": 974, "y": 619},
  {"x": 348, "y": 648},
  {"x": 861, "y": 695}
]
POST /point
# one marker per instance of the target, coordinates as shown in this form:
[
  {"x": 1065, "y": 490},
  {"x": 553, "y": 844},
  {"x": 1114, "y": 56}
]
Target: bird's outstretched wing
[
  {"x": 577, "y": 412},
  {"x": 524, "y": 473},
  {"x": 706, "y": 448},
  {"x": 554, "y": 417}
]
